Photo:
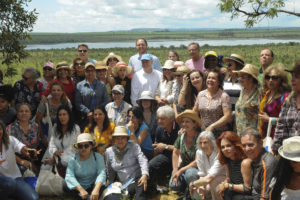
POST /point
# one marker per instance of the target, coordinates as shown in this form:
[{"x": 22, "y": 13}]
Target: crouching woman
[{"x": 85, "y": 174}]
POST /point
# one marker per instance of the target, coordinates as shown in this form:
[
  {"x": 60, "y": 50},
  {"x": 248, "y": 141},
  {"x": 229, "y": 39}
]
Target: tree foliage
[
  {"x": 15, "y": 24},
  {"x": 254, "y": 10}
]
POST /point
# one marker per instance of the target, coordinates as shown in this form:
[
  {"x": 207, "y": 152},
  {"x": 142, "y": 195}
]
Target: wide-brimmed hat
[
  {"x": 49, "y": 64},
  {"x": 112, "y": 55},
  {"x": 100, "y": 65},
  {"x": 89, "y": 64},
  {"x": 62, "y": 65},
  {"x": 84, "y": 137},
  {"x": 189, "y": 114},
  {"x": 296, "y": 68},
  {"x": 182, "y": 70},
  {"x": 169, "y": 64},
  {"x": 249, "y": 69},
  {"x": 236, "y": 58},
  {"x": 178, "y": 64},
  {"x": 120, "y": 65},
  {"x": 120, "y": 131},
  {"x": 119, "y": 88},
  {"x": 290, "y": 149},
  {"x": 211, "y": 53},
  {"x": 146, "y": 95}
]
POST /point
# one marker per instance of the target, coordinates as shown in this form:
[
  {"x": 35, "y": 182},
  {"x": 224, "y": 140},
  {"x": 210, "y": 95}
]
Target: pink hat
[{"x": 49, "y": 64}]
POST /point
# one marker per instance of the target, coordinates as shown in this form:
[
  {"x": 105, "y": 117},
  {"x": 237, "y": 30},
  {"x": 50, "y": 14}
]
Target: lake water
[{"x": 165, "y": 43}]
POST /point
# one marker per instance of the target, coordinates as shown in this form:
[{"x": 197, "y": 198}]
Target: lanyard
[{"x": 118, "y": 110}]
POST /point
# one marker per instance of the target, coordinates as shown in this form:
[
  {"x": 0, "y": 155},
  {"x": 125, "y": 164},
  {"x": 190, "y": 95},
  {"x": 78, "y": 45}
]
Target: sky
[{"x": 112, "y": 15}]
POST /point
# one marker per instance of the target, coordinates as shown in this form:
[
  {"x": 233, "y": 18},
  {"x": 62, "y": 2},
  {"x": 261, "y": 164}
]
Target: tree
[
  {"x": 254, "y": 10},
  {"x": 15, "y": 23}
]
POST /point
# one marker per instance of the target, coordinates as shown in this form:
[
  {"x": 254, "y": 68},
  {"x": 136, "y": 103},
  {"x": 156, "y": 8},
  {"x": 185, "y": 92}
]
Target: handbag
[
  {"x": 49, "y": 184},
  {"x": 268, "y": 141}
]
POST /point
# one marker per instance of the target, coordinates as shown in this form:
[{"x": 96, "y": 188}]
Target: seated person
[
  {"x": 7, "y": 112},
  {"x": 86, "y": 170}
]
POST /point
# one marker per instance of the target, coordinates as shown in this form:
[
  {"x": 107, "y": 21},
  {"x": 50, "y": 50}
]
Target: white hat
[
  {"x": 120, "y": 131},
  {"x": 290, "y": 149},
  {"x": 169, "y": 64},
  {"x": 146, "y": 95},
  {"x": 119, "y": 88},
  {"x": 84, "y": 137}
]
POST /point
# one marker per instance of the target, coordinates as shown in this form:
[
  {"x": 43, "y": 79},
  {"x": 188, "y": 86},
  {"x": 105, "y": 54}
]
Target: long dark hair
[
  {"x": 138, "y": 113},
  {"x": 106, "y": 121},
  {"x": 191, "y": 91},
  {"x": 5, "y": 136},
  {"x": 71, "y": 123},
  {"x": 283, "y": 175}
]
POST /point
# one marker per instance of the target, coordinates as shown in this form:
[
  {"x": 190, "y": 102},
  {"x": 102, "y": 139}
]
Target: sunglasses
[
  {"x": 79, "y": 64},
  {"x": 81, "y": 146},
  {"x": 112, "y": 59},
  {"x": 267, "y": 77},
  {"x": 116, "y": 93},
  {"x": 211, "y": 59},
  {"x": 178, "y": 76},
  {"x": 91, "y": 70},
  {"x": 101, "y": 70},
  {"x": 25, "y": 78},
  {"x": 82, "y": 50},
  {"x": 228, "y": 64},
  {"x": 47, "y": 69}
]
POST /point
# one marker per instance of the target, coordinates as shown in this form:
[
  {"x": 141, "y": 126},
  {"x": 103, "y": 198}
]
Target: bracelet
[
  {"x": 231, "y": 187},
  {"x": 273, "y": 120}
]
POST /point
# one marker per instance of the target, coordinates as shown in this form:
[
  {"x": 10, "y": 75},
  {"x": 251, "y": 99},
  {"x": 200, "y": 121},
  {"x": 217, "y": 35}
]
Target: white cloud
[{"x": 106, "y": 15}]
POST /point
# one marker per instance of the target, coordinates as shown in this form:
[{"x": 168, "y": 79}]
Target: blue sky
[{"x": 111, "y": 15}]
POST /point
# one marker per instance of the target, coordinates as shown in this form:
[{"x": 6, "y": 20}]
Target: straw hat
[
  {"x": 169, "y": 64},
  {"x": 120, "y": 65},
  {"x": 84, "y": 137},
  {"x": 181, "y": 70},
  {"x": 290, "y": 149},
  {"x": 112, "y": 55},
  {"x": 189, "y": 114},
  {"x": 146, "y": 95},
  {"x": 236, "y": 58},
  {"x": 120, "y": 131},
  {"x": 100, "y": 65},
  {"x": 62, "y": 65},
  {"x": 249, "y": 69},
  {"x": 211, "y": 53},
  {"x": 178, "y": 63},
  {"x": 89, "y": 64}
]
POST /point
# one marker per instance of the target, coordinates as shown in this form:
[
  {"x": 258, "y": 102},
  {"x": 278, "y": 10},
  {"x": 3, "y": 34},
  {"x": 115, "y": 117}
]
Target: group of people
[{"x": 199, "y": 124}]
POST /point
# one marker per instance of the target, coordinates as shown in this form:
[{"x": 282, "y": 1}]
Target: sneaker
[{"x": 162, "y": 189}]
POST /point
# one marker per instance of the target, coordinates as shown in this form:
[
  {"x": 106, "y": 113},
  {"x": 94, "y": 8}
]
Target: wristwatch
[{"x": 167, "y": 146}]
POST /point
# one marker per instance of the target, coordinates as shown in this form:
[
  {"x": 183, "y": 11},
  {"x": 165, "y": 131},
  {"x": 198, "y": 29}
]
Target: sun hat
[
  {"x": 189, "y": 114},
  {"x": 181, "y": 70},
  {"x": 178, "y": 63},
  {"x": 119, "y": 88},
  {"x": 120, "y": 131},
  {"x": 112, "y": 55},
  {"x": 169, "y": 64},
  {"x": 290, "y": 149},
  {"x": 84, "y": 137},
  {"x": 236, "y": 58},
  {"x": 211, "y": 53},
  {"x": 249, "y": 69},
  {"x": 296, "y": 68},
  {"x": 146, "y": 57},
  {"x": 88, "y": 64},
  {"x": 49, "y": 64},
  {"x": 100, "y": 65},
  {"x": 120, "y": 65},
  {"x": 62, "y": 65},
  {"x": 146, "y": 95}
]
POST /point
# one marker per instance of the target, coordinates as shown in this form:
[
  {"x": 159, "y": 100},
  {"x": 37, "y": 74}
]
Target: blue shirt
[
  {"x": 85, "y": 173},
  {"x": 147, "y": 144},
  {"x": 89, "y": 96},
  {"x": 136, "y": 63}
]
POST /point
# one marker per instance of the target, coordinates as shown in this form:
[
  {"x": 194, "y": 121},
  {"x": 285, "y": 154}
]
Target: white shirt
[
  {"x": 117, "y": 115},
  {"x": 143, "y": 81},
  {"x": 64, "y": 144},
  {"x": 164, "y": 89},
  {"x": 9, "y": 167}
]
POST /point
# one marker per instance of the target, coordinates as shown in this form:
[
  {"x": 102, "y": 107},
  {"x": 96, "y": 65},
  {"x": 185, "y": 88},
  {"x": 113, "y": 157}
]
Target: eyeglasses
[
  {"x": 25, "y": 78},
  {"x": 192, "y": 50},
  {"x": 81, "y": 146},
  {"x": 228, "y": 64},
  {"x": 211, "y": 59},
  {"x": 82, "y": 50},
  {"x": 88, "y": 71},
  {"x": 47, "y": 69},
  {"x": 79, "y": 64},
  {"x": 268, "y": 77},
  {"x": 116, "y": 93},
  {"x": 112, "y": 59}
]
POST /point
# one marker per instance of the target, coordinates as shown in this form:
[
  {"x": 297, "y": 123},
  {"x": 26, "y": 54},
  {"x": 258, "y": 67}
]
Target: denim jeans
[
  {"x": 16, "y": 188},
  {"x": 184, "y": 180}
]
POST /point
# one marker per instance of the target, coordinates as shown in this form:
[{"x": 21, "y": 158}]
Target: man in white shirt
[
  {"x": 145, "y": 79},
  {"x": 135, "y": 60}
]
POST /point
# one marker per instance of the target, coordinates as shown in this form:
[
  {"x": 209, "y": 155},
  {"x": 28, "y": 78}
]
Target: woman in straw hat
[
  {"x": 112, "y": 59},
  {"x": 185, "y": 147},
  {"x": 11, "y": 182},
  {"x": 213, "y": 104},
  {"x": 287, "y": 186},
  {"x": 63, "y": 75},
  {"x": 126, "y": 162},
  {"x": 104, "y": 75},
  {"x": 277, "y": 87},
  {"x": 163, "y": 92},
  {"x": 86, "y": 170},
  {"x": 288, "y": 123},
  {"x": 247, "y": 106},
  {"x": 231, "y": 84},
  {"x": 121, "y": 72}
]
